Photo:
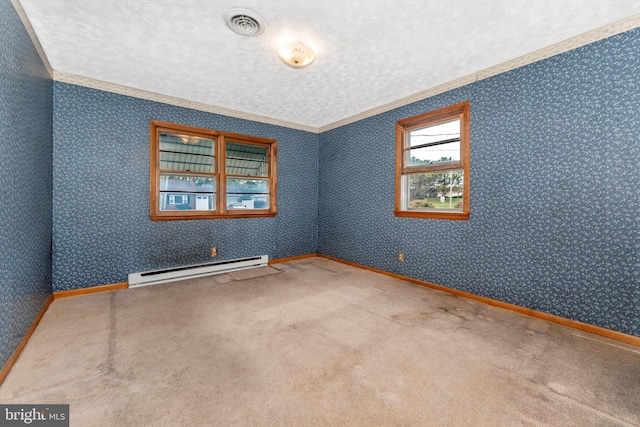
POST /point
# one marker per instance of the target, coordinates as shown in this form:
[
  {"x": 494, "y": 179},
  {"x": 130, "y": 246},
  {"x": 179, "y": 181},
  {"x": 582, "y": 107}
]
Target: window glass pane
[
  {"x": 438, "y": 132},
  {"x": 186, "y": 162},
  {"x": 442, "y": 190},
  {"x": 186, "y": 144},
  {"x": 186, "y": 183},
  {"x": 246, "y": 159},
  {"x": 247, "y": 186},
  {"x": 247, "y": 193},
  {"x": 434, "y": 154},
  {"x": 238, "y": 202},
  {"x": 187, "y": 202}
]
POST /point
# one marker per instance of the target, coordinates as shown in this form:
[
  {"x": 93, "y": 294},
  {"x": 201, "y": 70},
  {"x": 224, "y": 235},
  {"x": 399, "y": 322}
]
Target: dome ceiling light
[{"x": 296, "y": 55}]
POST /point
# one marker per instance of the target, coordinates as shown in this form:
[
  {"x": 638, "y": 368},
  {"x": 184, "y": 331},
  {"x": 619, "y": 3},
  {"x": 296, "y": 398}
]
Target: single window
[
  {"x": 206, "y": 174},
  {"x": 432, "y": 164}
]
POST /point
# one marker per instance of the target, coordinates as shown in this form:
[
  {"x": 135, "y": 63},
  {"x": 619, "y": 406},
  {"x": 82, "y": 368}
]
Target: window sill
[
  {"x": 174, "y": 217},
  {"x": 461, "y": 216}
]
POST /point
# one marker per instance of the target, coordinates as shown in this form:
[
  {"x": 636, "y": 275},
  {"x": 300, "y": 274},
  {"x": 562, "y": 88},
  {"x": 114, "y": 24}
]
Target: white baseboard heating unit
[{"x": 171, "y": 274}]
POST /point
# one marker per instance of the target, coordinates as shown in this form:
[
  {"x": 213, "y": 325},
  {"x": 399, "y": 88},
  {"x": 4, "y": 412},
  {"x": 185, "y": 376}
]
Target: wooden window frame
[
  {"x": 403, "y": 127},
  {"x": 219, "y": 152}
]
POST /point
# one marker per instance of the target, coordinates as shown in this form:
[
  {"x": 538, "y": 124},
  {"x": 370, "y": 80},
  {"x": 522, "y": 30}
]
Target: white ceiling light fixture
[
  {"x": 296, "y": 55},
  {"x": 244, "y": 22}
]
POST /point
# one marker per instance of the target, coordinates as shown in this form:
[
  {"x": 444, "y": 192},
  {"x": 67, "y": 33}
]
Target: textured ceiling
[{"x": 369, "y": 52}]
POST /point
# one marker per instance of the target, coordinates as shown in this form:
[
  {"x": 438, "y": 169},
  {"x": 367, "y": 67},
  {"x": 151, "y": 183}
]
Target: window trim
[
  {"x": 220, "y": 139},
  {"x": 460, "y": 110}
]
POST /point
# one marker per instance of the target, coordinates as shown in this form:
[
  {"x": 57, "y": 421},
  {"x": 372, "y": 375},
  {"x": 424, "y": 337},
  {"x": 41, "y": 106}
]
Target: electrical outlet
[
  {"x": 400, "y": 256},
  {"x": 214, "y": 252}
]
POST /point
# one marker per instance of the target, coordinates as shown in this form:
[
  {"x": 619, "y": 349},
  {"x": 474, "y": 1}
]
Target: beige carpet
[{"x": 317, "y": 343}]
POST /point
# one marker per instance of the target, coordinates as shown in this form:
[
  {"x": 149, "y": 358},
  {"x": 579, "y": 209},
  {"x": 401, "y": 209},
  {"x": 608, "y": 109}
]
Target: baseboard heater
[{"x": 154, "y": 277}]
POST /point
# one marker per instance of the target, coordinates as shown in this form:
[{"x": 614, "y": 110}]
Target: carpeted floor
[{"x": 315, "y": 342}]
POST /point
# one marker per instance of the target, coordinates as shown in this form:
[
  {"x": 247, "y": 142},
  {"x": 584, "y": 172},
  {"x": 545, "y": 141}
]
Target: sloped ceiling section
[{"x": 371, "y": 55}]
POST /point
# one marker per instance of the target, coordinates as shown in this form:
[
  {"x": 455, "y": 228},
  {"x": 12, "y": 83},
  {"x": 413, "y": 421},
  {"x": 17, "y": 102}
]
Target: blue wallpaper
[
  {"x": 554, "y": 190},
  {"x": 101, "y": 227},
  {"x": 25, "y": 180}
]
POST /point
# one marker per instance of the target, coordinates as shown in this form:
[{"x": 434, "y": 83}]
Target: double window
[
  {"x": 432, "y": 164},
  {"x": 205, "y": 174}
]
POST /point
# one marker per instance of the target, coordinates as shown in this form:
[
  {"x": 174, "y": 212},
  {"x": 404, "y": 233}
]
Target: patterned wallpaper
[
  {"x": 25, "y": 180},
  {"x": 553, "y": 226},
  {"x": 101, "y": 226}
]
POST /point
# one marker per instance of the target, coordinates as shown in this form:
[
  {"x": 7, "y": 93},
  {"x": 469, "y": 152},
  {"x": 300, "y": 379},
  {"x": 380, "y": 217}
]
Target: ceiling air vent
[{"x": 244, "y": 22}]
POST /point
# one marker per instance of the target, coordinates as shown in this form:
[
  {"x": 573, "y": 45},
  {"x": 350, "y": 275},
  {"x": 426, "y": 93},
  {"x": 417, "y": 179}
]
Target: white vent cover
[{"x": 244, "y": 22}]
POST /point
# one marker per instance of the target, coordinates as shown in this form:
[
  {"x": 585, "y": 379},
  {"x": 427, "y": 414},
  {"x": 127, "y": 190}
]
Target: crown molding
[
  {"x": 592, "y": 36},
  {"x": 172, "y": 100},
  {"x": 32, "y": 35}
]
